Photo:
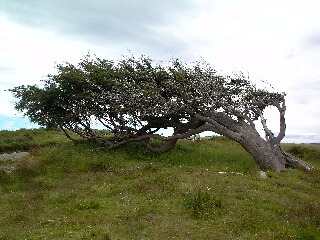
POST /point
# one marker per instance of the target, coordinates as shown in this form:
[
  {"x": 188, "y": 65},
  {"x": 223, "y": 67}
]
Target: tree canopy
[{"x": 134, "y": 98}]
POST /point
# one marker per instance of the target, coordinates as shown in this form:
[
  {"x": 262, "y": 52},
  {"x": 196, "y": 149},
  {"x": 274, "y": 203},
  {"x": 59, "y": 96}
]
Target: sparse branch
[
  {"x": 169, "y": 145},
  {"x": 220, "y": 128},
  {"x": 282, "y": 111},
  {"x": 268, "y": 132}
]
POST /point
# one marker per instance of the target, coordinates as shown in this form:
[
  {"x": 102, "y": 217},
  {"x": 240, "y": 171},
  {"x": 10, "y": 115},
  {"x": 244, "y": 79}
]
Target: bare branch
[
  {"x": 219, "y": 128},
  {"x": 282, "y": 111},
  {"x": 268, "y": 132}
]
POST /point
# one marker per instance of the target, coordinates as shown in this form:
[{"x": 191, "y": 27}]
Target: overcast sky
[{"x": 276, "y": 41}]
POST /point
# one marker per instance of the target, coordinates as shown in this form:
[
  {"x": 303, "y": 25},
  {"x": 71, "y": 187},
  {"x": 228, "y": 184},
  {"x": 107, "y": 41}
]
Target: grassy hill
[{"x": 206, "y": 189}]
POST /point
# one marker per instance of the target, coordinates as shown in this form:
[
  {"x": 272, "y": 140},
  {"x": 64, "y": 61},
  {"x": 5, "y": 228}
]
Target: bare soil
[{"x": 9, "y": 161}]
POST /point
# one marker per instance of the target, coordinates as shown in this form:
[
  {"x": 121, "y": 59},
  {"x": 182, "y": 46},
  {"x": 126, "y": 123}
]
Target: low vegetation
[
  {"x": 25, "y": 139},
  {"x": 207, "y": 189}
]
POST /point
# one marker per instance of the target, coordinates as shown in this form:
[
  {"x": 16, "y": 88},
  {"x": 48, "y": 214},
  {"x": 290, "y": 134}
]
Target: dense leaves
[{"x": 130, "y": 98}]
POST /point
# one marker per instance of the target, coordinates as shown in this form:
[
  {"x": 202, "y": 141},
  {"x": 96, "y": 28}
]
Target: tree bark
[
  {"x": 169, "y": 145},
  {"x": 267, "y": 154}
]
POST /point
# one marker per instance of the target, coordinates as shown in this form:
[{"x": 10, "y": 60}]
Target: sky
[{"x": 274, "y": 41}]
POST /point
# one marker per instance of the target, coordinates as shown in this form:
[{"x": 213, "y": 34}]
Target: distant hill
[{"x": 316, "y": 144}]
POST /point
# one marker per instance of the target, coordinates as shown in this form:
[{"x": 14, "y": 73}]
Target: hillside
[{"x": 206, "y": 189}]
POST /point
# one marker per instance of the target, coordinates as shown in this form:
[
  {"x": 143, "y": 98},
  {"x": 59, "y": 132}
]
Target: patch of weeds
[
  {"x": 97, "y": 234},
  {"x": 4, "y": 176},
  {"x": 63, "y": 199},
  {"x": 101, "y": 167},
  {"x": 307, "y": 233},
  {"x": 19, "y": 217},
  {"x": 24, "y": 171},
  {"x": 307, "y": 216},
  {"x": 250, "y": 223},
  {"x": 314, "y": 176},
  {"x": 305, "y": 152},
  {"x": 8, "y": 181},
  {"x": 150, "y": 167},
  {"x": 202, "y": 205},
  {"x": 60, "y": 198},
  {"x": 88, "y": 205},
  {"x": 298, "y": 151},
  {"x": 153, "y": 185},
  {"x": 310, "y": 211}
]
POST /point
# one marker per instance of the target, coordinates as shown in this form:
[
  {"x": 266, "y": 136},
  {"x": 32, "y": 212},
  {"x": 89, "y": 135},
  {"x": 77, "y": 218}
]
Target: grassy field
[
  {"x": 25, "y": 139},
  {"x": 78, "y": 191}
]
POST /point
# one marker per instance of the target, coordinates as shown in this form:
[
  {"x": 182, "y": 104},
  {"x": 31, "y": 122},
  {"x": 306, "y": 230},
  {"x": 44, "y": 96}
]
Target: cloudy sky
[{"x": 276, "y": 41}]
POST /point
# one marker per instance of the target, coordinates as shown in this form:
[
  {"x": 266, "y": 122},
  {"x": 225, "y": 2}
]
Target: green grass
[
  {"x": 25, "y": 139},
  {"x": 78, "y": 191}
]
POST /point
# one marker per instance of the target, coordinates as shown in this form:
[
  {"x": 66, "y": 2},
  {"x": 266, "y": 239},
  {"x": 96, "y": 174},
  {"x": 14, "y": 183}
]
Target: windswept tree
[{"x": 135, "y": 98}]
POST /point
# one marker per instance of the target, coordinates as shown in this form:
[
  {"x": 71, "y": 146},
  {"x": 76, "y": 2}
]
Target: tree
[{"x": 134, "y": 98}]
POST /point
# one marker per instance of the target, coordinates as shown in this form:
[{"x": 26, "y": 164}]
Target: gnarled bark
[
  {"x": 266, "y": 153},
  {"x": 166, "y": 147},
  {"x": 269, "y": 156}
]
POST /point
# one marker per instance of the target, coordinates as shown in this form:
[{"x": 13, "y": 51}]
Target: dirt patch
[
  {"x": 16, "y": 156},
  {"x": 9, "y": 161}
]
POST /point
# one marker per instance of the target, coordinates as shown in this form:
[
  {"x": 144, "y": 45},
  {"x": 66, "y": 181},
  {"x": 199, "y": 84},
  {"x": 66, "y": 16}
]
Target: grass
[
  {"x": 25, "y": 139},
  {"x": 78, "y": 191}
]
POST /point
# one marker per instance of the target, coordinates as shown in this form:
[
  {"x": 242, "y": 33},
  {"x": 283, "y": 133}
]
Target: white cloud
[{"x": 29, "y": 60}]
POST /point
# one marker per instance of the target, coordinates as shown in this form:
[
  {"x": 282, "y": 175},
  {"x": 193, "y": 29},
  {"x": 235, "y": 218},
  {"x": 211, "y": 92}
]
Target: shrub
[
  {"x": 305, "y": 152},
  {"x": 202, "y": 205}
]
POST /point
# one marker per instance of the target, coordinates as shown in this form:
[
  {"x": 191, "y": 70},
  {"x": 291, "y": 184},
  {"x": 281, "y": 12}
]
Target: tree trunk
[
  {"x": 265, "y": 156},
  {"x": 268, "y": 155}
]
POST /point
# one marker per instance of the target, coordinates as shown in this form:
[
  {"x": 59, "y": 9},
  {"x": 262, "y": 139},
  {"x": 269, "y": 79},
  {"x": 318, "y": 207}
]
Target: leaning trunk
[
  {"x": 264, "y": 155},
  {"x": 267, "y": 154}
]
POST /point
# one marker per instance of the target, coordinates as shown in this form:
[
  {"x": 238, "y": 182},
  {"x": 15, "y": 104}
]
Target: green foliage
[
  {"x": 119, "y": 96},
  {"x": 135, "y": 97},
  {"x": 305, "y": 151}
]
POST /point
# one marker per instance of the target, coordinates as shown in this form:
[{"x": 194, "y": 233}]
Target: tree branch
[
  {"x": 217, "y": 127},
  {"x": 282, "y": 111},
  {"x": 268, "y": 132}
]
